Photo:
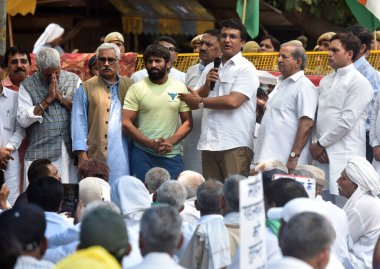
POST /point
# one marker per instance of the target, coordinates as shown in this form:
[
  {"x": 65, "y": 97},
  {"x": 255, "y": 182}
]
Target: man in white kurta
[
  {"x": 360, "y": 183},
  {"x": 344, "y": 96},
  {"x": 11, "y": 135},
  {"x": 284, "y": 134}
]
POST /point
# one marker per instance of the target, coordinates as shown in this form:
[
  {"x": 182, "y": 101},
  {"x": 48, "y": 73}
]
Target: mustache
[
  {"x": 106, "y": 69},
  {"x": 20, "y": 69}
]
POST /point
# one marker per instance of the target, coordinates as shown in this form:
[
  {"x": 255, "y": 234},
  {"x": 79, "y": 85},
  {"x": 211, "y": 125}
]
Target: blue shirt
[
  {"x": 117, "y": 148},
  {"x": 367, "y": 70}
]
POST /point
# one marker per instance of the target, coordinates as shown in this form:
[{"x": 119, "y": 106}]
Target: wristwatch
[
  {"x": 294, "y": 155},
  {"x": 201, "y": 105}
]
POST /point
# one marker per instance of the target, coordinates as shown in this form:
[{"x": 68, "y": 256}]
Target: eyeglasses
[
  {"x": 231, "y": 36},
  {"x": 103, "y": 60},
  {"x": 172, "y": 49}
]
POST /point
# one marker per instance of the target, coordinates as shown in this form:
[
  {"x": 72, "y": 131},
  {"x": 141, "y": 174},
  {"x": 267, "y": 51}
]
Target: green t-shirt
[{"x": 158, "y": 109}]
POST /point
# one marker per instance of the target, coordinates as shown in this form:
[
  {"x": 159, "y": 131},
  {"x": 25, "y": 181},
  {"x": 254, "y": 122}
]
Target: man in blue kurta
[{"x": 96, "y": 116}]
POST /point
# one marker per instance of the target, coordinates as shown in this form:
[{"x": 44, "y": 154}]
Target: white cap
[{"x": 294, "y": 207}]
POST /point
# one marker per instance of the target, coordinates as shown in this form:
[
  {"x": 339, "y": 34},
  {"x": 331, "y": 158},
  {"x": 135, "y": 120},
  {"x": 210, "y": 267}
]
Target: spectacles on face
[
  {"x": 103, "y": 60},
  {"x": 230, "y": 36},
  {"x": 172, "y": 49}
]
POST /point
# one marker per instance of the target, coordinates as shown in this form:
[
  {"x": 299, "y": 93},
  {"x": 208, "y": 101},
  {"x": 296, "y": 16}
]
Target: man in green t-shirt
[{"x": 150, "y": 117}]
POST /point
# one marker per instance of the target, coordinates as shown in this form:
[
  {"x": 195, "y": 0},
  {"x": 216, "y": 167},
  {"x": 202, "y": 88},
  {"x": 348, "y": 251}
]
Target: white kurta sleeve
[
  {"x": 25, "y": 108},
  {"x": 374, "y": 130}
]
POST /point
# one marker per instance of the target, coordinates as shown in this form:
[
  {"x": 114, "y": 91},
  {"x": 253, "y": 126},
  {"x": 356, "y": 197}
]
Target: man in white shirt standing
[
  {"x": 11, "y": 135},
  {"x": 228, "y": 94},
  {"x": 344, "y": 96},
  {"x": 285, "y": 129},
  {"x": 173, "y": 73}
]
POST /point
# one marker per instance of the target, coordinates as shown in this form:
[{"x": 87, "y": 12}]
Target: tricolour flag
[
  {"x": 248, "y": 11},
  {"x": 366, "y": 12}
]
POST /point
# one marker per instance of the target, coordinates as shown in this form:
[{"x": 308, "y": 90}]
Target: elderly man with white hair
[
  {"x": 360, "y": 184},
  {"x": 191, "y": 181},
  {"x": 96, "y": 117},
  {"x": 44, "y": 106}
]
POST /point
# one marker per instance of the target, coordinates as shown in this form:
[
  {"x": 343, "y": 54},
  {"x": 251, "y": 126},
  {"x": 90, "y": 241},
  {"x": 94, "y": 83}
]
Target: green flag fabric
[
  {"x": 364, "y": 16},
  {"x": 250, "y": 18}
]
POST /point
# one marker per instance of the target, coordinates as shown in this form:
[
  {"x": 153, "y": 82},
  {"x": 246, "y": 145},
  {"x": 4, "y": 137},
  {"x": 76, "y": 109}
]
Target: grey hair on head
[
  {"x": 160, "y": 228},
  {"x": 172, "y": 193},
  {"x": 155, "y": 177},
  {"x": 306, "y": 235},
  {"x": 106, "y": 46},
  {"x": 48, "y": 58},
  {"x": 298, "y": 51},
  {"x": 231, "y": 192}
]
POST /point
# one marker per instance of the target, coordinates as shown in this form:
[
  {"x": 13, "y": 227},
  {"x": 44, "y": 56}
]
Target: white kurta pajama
[
  {"x": 11, "y": 136},
  {"x": 295, "y": 97},
  {"x": 344, "y": 96}
]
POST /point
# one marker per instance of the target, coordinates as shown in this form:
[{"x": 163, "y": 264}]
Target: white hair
[
  {"x": 106, "y": 46},
  {"x": 48, "y": 58},
  {"x": 172, "y": 193}
]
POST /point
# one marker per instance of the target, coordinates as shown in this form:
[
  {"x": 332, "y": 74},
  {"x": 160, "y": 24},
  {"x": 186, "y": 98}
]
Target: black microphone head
[{"x": 217, "y": 62}]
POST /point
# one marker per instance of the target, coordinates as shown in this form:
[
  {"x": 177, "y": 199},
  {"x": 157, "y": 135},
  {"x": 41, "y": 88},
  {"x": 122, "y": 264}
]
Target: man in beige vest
[{"x": 96, "y": 116}]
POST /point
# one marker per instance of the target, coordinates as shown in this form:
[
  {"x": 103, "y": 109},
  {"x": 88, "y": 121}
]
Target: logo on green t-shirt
[{"x": 172, "y": 95}]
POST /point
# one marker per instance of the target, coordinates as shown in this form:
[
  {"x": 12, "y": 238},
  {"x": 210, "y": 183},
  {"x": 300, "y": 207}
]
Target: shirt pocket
[
  {"x": 225, "y": 83},
  {"x": 9, "y": 121}
]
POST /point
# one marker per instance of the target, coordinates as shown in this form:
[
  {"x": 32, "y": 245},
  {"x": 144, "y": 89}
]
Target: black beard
[{"x": 156, "y": 75}]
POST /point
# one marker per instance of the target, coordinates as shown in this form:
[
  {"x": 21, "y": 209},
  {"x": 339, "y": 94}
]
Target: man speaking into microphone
[{"x": 229, "y": 116}]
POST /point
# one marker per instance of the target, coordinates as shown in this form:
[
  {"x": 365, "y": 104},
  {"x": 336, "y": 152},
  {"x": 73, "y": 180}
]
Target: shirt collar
[
  {"x": 109, "y": 84},
  {"x": 236, "y": 58},
  {"x": 8, "y": 83},
  {"x": 210, "y": 217},
  {"x": 294, "y": 77},
  {"x": 5, "y": 92},
  {"x": 345, "y": 70},
  {"x": 360, "y": 61}
]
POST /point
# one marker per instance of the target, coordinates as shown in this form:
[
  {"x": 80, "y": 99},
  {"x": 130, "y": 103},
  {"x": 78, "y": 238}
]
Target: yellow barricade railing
[{"x": 316, "y": 61}]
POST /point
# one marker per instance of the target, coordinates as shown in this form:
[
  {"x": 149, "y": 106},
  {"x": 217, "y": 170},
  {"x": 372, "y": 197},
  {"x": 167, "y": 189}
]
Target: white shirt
[
  {"x": 173, "y": 73},
  {"x": 343, "y": 242},
  {"x": 344, "y": 96},
  {"x": 230, "y": 128},
  {"x": 192, "y": 75},
  {"x": 29, "y": 262},
  {"x": 364, "y": 225},
  {"x": 11, "y": 136},
  {"x": 192, "y": 157},
  {"x": 293, "y": 263},
  {"x": 190, "y": 213},
  {"x": 158, "y": 260},
  {"x": 289, "y": 263},
  {"x": 295, "y": 97},
  {"x": 55, "y": 224},
  {"x": 11, "y": 133}
]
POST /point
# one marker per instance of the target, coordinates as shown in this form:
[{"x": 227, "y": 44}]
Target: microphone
[{"x": 217, "y": 62}]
